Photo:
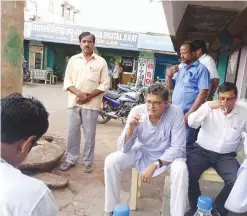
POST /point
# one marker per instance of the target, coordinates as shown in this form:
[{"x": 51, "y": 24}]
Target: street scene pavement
[{"x": 84, "y": 196}]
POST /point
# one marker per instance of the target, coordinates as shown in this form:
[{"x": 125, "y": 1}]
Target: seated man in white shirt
[
  {"x": 222, "y": 124},
  {"x": 153, "y": 141},
  {"x": 23, "y": 122}
]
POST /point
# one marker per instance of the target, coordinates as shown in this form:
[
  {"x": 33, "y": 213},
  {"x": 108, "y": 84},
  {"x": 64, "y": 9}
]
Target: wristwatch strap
[{"x": 160, "y": 163}]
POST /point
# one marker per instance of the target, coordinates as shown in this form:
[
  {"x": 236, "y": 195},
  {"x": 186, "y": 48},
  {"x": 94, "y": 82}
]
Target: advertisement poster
[
  {"x": 141, "y": 71},
  {"x": 149, "y": 72}
]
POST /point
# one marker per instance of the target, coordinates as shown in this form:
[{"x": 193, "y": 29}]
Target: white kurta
[{"x": 237, "y": 200}]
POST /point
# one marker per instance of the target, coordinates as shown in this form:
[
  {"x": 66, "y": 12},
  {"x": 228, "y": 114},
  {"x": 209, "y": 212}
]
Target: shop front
[
  {"x": 127, "y": 58},
  {"x": 156, "y": 54},
  {"x": 59, "y": 42},
  {"x": 163, "y": 62}
]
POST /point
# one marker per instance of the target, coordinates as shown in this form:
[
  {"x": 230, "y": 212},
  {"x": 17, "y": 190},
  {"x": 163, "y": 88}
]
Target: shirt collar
[
  {"x": 195, "y": 64},
  {"x": 234, "y": 111},
  {"x": 202, "y": 57},
  {"x": 93, "y": 56}
]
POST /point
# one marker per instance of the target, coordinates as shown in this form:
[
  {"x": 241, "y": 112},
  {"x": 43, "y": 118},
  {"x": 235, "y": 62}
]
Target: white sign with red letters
[{"x": 149, "y": 72}]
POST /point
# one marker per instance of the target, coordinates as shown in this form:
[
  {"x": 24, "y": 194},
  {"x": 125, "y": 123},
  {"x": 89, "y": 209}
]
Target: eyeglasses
[
  {"x": 154, "y": 103},
  {"x": 227, "y": 98}
]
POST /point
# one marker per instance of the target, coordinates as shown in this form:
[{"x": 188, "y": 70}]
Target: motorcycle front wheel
[{"x": 102, "y": 119}]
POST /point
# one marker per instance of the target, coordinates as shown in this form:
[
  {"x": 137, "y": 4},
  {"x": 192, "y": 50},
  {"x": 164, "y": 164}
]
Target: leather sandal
[{"x": 65, "y": 166}]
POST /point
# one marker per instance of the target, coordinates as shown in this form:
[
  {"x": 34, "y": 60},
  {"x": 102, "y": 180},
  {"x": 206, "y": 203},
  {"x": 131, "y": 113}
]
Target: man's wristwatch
[{"x": 158, "y": 163}]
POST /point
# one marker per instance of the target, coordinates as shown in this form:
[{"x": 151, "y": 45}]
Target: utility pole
[{"x": 12, "y": 32}]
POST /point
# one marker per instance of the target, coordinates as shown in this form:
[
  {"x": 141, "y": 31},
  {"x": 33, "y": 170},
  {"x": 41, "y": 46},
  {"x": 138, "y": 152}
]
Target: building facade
[{"x": 52, "y": 11}]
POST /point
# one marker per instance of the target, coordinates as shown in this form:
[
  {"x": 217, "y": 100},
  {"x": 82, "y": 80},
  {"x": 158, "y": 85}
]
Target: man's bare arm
[
  {"x": 73, "y": 90},
  {"x": 129, "y": 133},
  {"x": 213, "y": 87},
  {"x": 95, "y": 93},
  {"x": 169, "y": 82},
  {"x": 169, "y": 75}
]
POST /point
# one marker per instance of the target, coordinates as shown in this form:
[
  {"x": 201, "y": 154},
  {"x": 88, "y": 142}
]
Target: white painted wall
[
  {"x": 142, "y": 16},
  {"x": 47, "y": 11},
  {"x": 129, "y": 15}
]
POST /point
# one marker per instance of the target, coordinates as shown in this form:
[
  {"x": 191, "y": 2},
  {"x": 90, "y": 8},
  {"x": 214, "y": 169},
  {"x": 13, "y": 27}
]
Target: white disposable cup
[
  {"x": 143, "y": 117},
  {"x": 224, "y": 108}
]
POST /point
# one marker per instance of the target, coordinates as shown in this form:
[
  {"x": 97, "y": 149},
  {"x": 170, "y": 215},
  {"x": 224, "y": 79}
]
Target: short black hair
[
  {"x": 21, "y": 118},
  {"x": 200, "y": 44},
  {"x": 192, "y": 46},
  {"x": 228, "y": 86},
  {"x": 84, "y": 34},
  {"x": 160, "y": 90}
]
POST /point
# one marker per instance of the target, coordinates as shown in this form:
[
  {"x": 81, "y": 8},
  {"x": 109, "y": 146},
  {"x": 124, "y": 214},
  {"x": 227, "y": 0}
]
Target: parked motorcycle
[
  {"x": 125, "y": 88},
  {"x": 118, "y": 106}
]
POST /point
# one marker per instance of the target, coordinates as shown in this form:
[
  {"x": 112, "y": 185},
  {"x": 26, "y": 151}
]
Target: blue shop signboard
[
  {"x": 155, "y": 42},
  {"x": 69, "y": 35}
]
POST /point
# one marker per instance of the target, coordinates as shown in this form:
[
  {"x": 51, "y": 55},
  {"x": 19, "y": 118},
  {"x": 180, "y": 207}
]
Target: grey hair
[{"x": 159, "y": 90}]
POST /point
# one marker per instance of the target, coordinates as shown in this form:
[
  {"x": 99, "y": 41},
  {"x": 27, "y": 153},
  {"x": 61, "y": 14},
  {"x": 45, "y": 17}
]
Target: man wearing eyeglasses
[
  {"x": 222, "y": 124},
  {"x": 153, "y": 141}
]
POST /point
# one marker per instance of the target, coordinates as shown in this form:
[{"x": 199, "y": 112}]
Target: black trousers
[{"x": 226, "y": 165}]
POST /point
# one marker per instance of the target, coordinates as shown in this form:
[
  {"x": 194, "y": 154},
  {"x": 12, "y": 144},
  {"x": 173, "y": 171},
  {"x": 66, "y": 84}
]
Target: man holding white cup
[
  {"x": 220, "y": 138},
  {"x": 153, "y": 141}
]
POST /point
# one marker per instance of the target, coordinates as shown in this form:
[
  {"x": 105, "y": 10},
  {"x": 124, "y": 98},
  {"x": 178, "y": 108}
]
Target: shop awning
[
  {"x": 159, "y": 43},
  {"x": 69, "y": 34}
]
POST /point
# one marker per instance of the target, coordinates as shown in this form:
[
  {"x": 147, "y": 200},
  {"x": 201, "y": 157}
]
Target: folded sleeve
[{"x": 204, "y": 78}]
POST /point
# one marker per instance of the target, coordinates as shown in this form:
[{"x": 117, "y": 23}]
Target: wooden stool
[{"x": 208, "y": 175}]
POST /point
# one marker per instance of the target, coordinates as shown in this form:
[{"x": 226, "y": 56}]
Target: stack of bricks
[{"x": 12, "y": 28}]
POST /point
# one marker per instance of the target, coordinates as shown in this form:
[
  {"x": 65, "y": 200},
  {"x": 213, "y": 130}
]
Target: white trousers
[{"x": 116, "y": 163}]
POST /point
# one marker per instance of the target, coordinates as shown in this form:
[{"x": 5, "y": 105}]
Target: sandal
[
  {"x": 65, "y": 166},
  {"x": 88, "y": 169}
]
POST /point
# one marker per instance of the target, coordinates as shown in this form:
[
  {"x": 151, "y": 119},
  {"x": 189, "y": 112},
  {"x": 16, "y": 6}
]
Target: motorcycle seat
[{"x": 112, "y": 95}]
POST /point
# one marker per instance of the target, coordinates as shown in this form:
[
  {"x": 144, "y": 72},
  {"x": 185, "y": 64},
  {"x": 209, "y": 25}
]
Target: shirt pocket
[
  {"x": 94, "y": 75},
  {"x": 233, "y": 135},
  {"x": 164, "y": 137},
  {"x": 190, "y": 82}
]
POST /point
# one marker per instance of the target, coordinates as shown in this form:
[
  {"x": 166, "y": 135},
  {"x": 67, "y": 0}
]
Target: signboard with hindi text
[{"x": 69, "y": 35}]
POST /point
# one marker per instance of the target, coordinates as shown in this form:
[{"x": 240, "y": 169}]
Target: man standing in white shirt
[
  {"x": 222, "y": 124},
  {"x": 24, "y": 121},
  {"x": 209, "y": 63},
  {"x": 115, "y": 75}
]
